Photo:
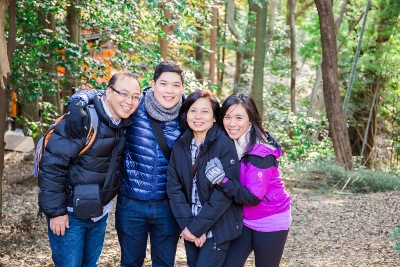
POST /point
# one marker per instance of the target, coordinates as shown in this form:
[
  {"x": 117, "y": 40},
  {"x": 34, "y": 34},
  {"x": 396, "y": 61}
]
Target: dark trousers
[
  {"x": 268, "y": 248},
  {"x": 208, "y": 255}
]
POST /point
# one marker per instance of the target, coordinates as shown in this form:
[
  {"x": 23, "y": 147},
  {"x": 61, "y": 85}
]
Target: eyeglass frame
[{"x": 126, "y": 95}]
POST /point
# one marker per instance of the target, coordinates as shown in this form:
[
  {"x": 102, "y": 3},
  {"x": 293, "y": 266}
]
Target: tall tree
[
  {"x": 230, "y": 20},
  {"x": 333, "y": 102},
  {"x": 6, "y": 53},
  {"x": 292, "y": 26},
  {"x": 74, "y": 31},
  {"x": 213, "y": 43},
  {"x": 167, "y": 29},
  {"x": 259, "y": 55}
]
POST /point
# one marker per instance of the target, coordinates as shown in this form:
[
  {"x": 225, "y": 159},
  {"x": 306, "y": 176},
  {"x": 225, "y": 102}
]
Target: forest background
[{"x": 324, "y": 73}]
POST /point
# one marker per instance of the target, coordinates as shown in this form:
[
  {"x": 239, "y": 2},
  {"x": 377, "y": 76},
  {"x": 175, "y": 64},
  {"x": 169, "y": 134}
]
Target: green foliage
[
  {"x": 328, "y": 175},
  {"x": 396, "y": 237},
  {"x": 37, "y": 128}
]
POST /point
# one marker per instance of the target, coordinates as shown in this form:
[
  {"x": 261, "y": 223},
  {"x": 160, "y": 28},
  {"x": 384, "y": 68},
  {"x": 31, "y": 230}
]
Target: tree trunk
[
  {"x": 48, "y": 22},
  {"x": 248, "y": 51},
  {"x": 333, "y": 102},
  {"x": 259, "y": 55},
  {"x": 292, "y": 26},
  {"x": 73, "y": 27},
  {"x": 230, "y": 20},
  {"x": 316, "y": 98},
  {"x": 6, "y": 53},
  {"x": 167, "y": 29},
  {"x": 4, "y": 64},
  {"x": 213, "y": 43},
  {"x": 271, "y": 22},
  {"x": 199, "y": 53}
]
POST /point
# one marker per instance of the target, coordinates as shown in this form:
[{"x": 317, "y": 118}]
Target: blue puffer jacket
[{"x": 145, "y": 167}]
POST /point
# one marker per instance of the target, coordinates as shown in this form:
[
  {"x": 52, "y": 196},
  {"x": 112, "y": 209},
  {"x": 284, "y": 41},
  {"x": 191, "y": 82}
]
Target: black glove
[
  {"x": 76, "y": 120},
  {"x": 214, "y": 171},
  {"x": 272, "y": 141}
]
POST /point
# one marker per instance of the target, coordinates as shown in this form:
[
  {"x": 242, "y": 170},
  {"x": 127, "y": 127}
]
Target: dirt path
[{"x": 326, "y": 230}]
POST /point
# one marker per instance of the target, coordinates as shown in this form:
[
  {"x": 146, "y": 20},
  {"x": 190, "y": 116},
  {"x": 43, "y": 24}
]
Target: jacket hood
[{"x": 263, "y": 150}]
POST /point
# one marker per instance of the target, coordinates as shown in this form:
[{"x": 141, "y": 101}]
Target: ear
[{"x": 152, "y": 84}]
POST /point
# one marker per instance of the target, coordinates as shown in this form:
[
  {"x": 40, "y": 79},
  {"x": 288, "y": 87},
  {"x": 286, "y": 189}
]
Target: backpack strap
[
  {"x": 92, "y": 132},
  {"x": 162, "y": 142}
]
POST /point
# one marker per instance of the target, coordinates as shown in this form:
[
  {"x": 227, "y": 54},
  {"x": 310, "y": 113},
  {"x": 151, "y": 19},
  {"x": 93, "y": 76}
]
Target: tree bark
[
  {"x": 213, "y": 43},
  {"x": 333, "y": 102},
  {"x": 293, "y": 61},
  {"x": 248, "y": 50},
  {"x": 6, "y": 52},
  {"x": 316, "y": 98},
  {"x": 48, "y": 21},
  {"x": 230, "y": 20},
  {"x": 271, "y": 22},
  {"x": 199, "y": 53},
  {"x": 73, "y": 27},
  {"x": 4, "y": 64},
  {"x": 259, "y": 55},
  {"x": 167, "y": 29}
]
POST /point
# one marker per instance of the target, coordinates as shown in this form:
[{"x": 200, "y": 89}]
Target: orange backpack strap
[{"x": 92, "y": 133}]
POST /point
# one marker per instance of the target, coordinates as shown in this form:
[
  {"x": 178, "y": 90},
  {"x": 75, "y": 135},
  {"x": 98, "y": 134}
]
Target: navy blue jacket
[{"x": 61, "y": 168}]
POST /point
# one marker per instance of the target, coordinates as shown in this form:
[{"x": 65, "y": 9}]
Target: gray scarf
[{"x": 156, "y": 111}]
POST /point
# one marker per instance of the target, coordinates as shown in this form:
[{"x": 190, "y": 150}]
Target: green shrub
[{"x": 328, "y": 175}]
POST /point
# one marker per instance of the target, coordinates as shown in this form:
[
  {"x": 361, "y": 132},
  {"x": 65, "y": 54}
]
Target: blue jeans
[
  {"x": 81, "y": 245},
  {"x": 134, "y": 220}
]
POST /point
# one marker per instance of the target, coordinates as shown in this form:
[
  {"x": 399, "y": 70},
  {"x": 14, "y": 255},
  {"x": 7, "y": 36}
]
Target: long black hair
[
  {"x": 257, "y": 131},
  {"x": 193, "y": 97}
]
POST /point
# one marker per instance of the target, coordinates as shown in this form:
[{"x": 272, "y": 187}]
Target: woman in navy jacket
[{"x": 209, "y": 219}]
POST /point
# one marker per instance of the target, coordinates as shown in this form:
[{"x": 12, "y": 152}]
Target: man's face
[
  {"x": 123, "y": 97},
  {"x": 168, "y": 89}
]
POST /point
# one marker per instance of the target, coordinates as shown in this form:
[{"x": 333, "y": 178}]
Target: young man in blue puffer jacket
[{"x": 143, "y": 206}]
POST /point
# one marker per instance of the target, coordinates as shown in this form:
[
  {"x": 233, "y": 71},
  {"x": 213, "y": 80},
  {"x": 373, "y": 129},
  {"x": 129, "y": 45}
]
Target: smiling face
[
  {"x": 200, "y": 116},
  {"x": 122, "y": 104},
  {"x": 236, "y": 121},
  {"x": 168, "y": 89}
]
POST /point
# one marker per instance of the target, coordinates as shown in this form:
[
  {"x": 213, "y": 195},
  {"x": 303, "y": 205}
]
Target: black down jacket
[
  {"x": 219, "y": 213},
  {"x": 61, "y": 168}
]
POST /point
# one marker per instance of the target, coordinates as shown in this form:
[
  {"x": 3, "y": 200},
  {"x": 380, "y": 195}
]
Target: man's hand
[
  {"x": 59, "y": 224},
  {"x": 76, "y": 120},
  {"x": 214, "y": 171}
]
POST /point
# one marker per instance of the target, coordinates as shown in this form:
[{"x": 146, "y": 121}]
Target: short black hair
[
  {"x": 193, "y": 97},
  {"x": 168, "y": 66},
  {"x": 125, "y": 73}
]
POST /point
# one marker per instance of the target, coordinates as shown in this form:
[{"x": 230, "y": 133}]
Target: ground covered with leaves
[{"x": 327, "y": 230}]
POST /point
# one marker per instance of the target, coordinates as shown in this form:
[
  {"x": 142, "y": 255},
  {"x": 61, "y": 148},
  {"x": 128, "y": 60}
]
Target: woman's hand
[
  {"x": 214, "y": 171},
  {"x": 187, "y": 235},
  {"x": 200, "y": 241}
]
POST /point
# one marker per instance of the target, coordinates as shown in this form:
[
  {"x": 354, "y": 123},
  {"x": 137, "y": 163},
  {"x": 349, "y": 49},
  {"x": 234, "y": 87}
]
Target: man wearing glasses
[
  {"x": 77, "y": 240},
  {"x": 142, "y": 205}
]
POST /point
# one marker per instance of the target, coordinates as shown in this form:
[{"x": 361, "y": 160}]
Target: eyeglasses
[{"x": 126, "y": 96}]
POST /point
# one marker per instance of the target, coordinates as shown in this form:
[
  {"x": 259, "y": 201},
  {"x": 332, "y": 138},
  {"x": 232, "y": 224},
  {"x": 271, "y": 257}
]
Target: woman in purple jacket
[{"x": 265, "y": 225}]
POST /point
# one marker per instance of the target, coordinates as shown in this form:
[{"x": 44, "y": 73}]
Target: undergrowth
[{"x": 328, "y": 176}]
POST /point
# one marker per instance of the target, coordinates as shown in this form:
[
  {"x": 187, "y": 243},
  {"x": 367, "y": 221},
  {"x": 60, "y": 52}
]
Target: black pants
[
  {"x": 268, "y": 248},
  {"x": 208, "y": 255}
]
